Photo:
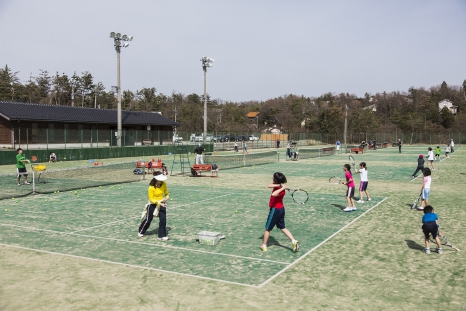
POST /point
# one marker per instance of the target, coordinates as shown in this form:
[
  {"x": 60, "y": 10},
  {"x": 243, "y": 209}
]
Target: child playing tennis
[
  {"x": 430, "y": 158},
  {"x": 277, "y": 212},
  {"x": 447, "y": 151},
  {"x": 350, "y": 191},
  {"x": 364, "y": 181},
  {"x": 425, "y": 190},
  {"x": 437, "y": 153},
  {"x": 430, "y": 227},
  {"x": 420, "y": 165}
]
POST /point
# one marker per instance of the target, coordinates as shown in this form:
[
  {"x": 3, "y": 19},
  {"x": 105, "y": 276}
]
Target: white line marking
[
  {"x": 128, "y": 265},
  {"x": 148, "y": 244},
  {"x": 104, "y": 224},
  {"x": 318, "y": 245}
]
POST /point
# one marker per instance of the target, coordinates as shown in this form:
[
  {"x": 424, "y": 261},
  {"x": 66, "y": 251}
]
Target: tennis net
[
  {"x": 241, "y": 160},
  {"x": 316, "y": 152},
  {"x": 48, "y": 181}
]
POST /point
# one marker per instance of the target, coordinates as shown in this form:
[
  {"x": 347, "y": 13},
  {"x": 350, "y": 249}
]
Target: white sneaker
[
  {"x": 27, "y": 183},
  {"x": 368, "y": 199},
  {"x": 354, "y": 209},
  {"x": 140, "y": 235},
  {"x": 165, "y": 238},
  {"x": 360, "y": 201},
  {"x": 348, "y": 209}
]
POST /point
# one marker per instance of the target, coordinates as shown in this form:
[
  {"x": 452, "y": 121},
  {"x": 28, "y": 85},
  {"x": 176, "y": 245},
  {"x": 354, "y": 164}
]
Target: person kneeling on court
[
  {"x": 277, "y": 212},
  {"x": 158, "y": 195}
]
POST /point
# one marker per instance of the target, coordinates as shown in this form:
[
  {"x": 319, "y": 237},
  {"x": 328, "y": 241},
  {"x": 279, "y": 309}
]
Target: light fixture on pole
[
  {"x": 119, "y": 41},
  {"x": 207, "y": 62}
]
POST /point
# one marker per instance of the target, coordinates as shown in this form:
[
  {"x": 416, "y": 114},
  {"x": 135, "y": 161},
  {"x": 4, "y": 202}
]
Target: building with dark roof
[{"x": 24, "y": 123}]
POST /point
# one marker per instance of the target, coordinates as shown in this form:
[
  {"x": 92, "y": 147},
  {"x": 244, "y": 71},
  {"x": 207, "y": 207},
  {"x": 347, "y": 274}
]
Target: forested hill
[{"x": 413, "y": 110}]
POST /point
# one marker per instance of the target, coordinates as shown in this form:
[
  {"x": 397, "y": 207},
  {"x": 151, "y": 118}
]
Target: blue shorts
[
  {"x": 425, "y": 193},
  {"x": 363, "y": 185},
  {"x": 276, "y": 218}
]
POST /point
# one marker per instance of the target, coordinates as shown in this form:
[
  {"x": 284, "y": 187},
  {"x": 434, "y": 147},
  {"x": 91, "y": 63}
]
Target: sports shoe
[
  {"x": 439, "y": 250},
  {"x": 426, "y": 250},
  {"x": 412, "y": 177},
  {"x": 140, "y": 235},
  {"x": 354, "y": 209},
  {"x": 263, "y": 247},
  {"x": 27, "y": 183},
  {"x": 165, "y": 238},
  {"x": 368, "y": 199},
  {"x": 360, "y": 201},
  {"x": 295, "y": 245},
  {"x": 19, "y": 184},
  {"x": 348, "y": 209}
]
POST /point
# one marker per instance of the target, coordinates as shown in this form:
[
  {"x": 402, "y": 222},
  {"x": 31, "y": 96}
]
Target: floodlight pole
[
  {"x": 119, "y": 41},
  {"x": 346, "y": 123},
  {"x": 206, "y": 62}
]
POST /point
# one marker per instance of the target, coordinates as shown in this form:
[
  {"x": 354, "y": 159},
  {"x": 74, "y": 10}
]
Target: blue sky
[{"x": 262, "y": 49}]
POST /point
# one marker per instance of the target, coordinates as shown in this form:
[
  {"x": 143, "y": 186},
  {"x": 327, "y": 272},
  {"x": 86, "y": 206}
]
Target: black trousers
[
  {"x": 419, "y": 168},
  {"x": 145, "y": 224}
]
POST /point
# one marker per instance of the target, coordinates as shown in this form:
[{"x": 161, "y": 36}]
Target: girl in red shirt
[{"x": 277, "y": 212}]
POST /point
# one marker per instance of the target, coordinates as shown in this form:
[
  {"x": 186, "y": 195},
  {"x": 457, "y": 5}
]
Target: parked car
[
  {"x": 199, "y": 138},
  {"x": 218, "y": 138},
  {"x": 229, "y": 137},
  {"x": 241, "y": 138},
  {"x": 252, "y": 137},
  {"x": 177, "y": 139},
  {"x": 209, "y": 137}
]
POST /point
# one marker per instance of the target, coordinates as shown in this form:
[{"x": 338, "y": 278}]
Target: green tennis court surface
[{"x": 101, "y": 224}]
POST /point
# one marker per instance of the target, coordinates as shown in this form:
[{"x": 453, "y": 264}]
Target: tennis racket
[
  {"x": 416, "y": 202},
  {"x": 444, "y": 241},
  {"x": 300, "y": 196},
  {"x": 334, "y": 180},
  {"x": 353, "y": 162}
]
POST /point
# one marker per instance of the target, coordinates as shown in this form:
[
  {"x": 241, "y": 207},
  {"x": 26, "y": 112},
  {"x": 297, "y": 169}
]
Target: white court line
[
  {"x": 128, "y": 265},
  {"x": 148, "y": 244},
  {"x": 104, "y": 224},
  {"x": 317, "y": 246}
]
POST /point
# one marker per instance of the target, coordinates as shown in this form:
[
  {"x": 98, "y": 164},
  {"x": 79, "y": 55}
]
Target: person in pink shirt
[{"x": 350, "y": 191}]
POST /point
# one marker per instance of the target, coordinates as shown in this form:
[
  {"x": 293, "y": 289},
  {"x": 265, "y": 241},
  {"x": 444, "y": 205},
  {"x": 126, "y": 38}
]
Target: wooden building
[{"x": 37, "y": 124}]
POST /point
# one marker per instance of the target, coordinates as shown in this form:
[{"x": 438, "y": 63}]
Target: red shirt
[{"x": 277, "y": 201}]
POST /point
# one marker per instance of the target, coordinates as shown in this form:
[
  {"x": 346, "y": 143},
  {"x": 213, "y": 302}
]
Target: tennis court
[
  {"x": 99, "y": 223},
  {"x": 96, "y": 227}
]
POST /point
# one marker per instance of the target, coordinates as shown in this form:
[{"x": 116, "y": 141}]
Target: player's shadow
[
  {"x": 414, "y": 245},
  {"x": 272, "y": 241},
  {"x": 155, "y": 231},
  {"x": 339, "y": 206}
]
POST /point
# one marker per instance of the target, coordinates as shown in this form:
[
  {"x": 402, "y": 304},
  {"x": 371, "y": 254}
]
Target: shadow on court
[
  {"x": 414, "y": 245},
  {"x": 272, "y": 240},
  {"x": 339, "y": 206},
  {"x": 155, "y": 231}
]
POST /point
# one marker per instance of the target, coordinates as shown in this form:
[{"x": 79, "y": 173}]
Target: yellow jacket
[{"x": 157, "y": 194}]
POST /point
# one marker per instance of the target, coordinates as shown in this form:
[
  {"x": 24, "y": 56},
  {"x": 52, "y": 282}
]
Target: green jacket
[{"x": 19, "y": 158}]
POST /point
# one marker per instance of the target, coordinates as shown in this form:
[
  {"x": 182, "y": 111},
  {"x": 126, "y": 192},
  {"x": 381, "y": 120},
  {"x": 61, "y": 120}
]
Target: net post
[{"x": 33, "y": 181}]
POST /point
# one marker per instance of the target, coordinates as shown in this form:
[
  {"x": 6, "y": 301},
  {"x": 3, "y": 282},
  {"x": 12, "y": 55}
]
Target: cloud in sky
[{"x": 262, "y": 49}]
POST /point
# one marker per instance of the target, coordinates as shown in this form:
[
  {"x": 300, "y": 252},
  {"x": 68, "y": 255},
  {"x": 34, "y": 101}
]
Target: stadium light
[
  {"x": 119, "y": 42},
  {"x": 207, "y": 62}
]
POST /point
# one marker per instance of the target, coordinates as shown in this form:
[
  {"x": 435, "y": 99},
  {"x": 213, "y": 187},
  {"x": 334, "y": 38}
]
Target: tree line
[{"x": 414, "y": 111}]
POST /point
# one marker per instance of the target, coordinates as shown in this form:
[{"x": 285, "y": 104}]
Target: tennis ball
[
  {"x": 236, "y": 211},
  {"x": 46, "y": 200},
  {"x": 103, "y": 210},
  {"x": 12, "y": 198},
  {"x": 6, "y": 209},
  {"x": 90, "y": 194},
  {"x": 100, "y": 187}
]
